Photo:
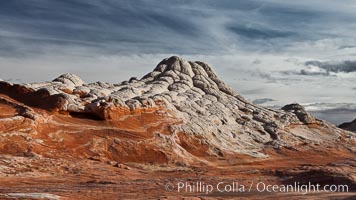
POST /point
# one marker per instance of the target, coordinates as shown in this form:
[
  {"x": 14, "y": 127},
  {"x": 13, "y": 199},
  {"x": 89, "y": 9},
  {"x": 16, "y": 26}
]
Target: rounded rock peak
[
  {"x": 179, "y": 73},
  {"x": 69, "y": 78},
  {"x": 293, "y": 107},
  {"x": 176, "y": 64}
]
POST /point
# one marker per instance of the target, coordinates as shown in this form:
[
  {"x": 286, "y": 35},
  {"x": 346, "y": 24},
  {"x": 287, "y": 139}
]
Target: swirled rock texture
[
  {"x": 190, "y": 92},
  {"x": 180, "y": 116}
]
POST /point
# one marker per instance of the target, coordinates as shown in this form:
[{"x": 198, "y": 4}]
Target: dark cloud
[
  {"x": 326, "y": 68},
  {"x": 262, "y": 101},
  {"x": 259, "y": 33},
  {"x": 347, "y": 66},
  {"x": 347, "y": 47},
  {"x": 307, "y": 72}
]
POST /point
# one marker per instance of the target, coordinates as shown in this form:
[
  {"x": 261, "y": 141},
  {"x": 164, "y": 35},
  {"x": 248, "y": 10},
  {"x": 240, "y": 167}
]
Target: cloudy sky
[{"x": 274, "y": 52}]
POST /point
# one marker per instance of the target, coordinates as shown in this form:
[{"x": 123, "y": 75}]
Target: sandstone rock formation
[
  {"x": 180, "y": 115},
  {"x": 351, "y": 126},
  {"x": 188, "y": 91}
]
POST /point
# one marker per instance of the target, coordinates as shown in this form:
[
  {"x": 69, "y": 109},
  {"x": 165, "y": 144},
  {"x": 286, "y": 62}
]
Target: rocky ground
[{"x": 67, "y": 139}]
